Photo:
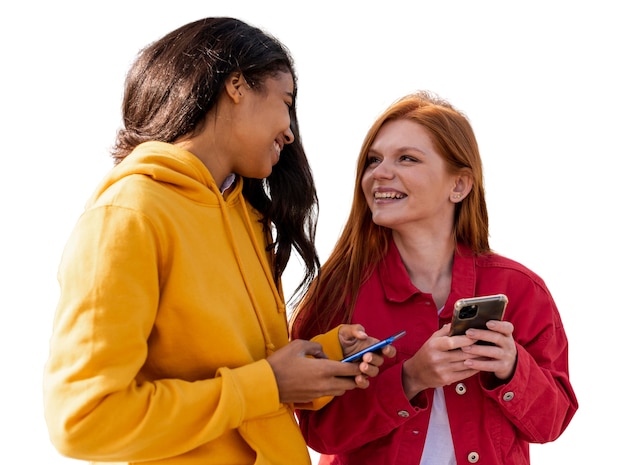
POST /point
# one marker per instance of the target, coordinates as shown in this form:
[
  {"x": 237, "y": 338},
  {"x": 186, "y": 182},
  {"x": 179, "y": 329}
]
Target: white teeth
[
  {"x": 388, "y": 195},
  {"x": 277, "y": 148}
]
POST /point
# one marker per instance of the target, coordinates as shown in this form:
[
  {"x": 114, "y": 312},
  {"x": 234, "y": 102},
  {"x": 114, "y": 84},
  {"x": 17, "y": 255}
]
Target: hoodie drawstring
[{"x": 269, "y": 345}]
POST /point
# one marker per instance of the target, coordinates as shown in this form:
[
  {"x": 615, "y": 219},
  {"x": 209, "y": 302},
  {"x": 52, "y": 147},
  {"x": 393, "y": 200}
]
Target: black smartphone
[
  {"x": 379, "y": 345},
  {"x": 475, "y": 312}
]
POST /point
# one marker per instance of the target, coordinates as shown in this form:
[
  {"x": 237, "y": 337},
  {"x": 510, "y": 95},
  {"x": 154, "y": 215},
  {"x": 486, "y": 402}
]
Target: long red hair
[{"x": 362, "y": 244}]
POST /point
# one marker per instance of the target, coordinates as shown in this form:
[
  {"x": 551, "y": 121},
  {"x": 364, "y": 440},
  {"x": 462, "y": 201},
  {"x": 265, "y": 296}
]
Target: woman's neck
[{"x": 428, "y": 260}]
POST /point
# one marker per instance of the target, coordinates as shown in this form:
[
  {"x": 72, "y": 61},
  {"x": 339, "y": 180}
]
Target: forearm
[{"x": 97, "y": 419}]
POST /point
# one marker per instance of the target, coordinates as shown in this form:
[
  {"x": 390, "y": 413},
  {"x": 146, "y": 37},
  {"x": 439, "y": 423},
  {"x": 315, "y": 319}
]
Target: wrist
[{"x": 411, "y": 385}]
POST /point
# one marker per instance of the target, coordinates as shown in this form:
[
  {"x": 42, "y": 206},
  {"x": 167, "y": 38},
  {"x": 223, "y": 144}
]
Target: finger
[
  {"x": 368, "y": 369},
  {"x": 488, "y": 353},
  {"x": 389, "y": 351},
  {"x": 483, "y": 364},
  {"x": 466, "y": 373},
  {"x": 357, "y": 331},
  {"x": 341, "y": 385},
  {"x": 443, "y": 331},
  {"x": 361, "y": 381},
  {"x": 338, "y": 369},
  {"x": 457, "y": 342},
  {"x": 502, "y": 327},
  {"x": 483, "y": 335},
  {"x": 373, "y": 358}
]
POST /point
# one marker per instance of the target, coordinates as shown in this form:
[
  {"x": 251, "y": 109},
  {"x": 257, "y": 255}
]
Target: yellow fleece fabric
[{"x": 166, "y": 314}]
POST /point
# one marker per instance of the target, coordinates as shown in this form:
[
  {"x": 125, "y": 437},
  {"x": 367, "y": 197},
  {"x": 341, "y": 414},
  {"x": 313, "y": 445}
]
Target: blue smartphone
[{"x": 379, "y": 345}]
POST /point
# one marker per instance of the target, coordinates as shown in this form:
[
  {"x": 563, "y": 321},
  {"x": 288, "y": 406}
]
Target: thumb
[
  {"x": 443, "y": 331},
  {"x": 313, "y": 349},
  {"x": 351, "y": 332}
]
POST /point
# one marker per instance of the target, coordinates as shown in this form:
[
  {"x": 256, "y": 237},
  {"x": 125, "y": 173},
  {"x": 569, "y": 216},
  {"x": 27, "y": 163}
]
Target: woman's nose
[
  {"x": 288, "y": 136},
  {"x": 382, "y": 171}
]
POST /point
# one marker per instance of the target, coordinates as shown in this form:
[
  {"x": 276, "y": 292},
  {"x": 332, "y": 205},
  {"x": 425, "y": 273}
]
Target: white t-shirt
[{"x": 438, "y": 449}]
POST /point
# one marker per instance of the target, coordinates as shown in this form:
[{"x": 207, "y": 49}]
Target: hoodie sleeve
[
  {"x": 97, "y": 405},
  {"x": 333, "y": 350}
]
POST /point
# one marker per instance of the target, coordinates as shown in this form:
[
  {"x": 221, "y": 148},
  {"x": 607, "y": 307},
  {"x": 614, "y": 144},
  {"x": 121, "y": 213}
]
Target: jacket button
[
  {"x": 403, "y": 413},
  {"x": 460, "y": 389},
  {"x": 473, "y": 457},
  {"x": 508, "y": 396}
]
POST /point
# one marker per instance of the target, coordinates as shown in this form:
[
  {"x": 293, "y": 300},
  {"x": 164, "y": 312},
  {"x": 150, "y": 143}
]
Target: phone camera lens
[{"x": 468, "y": 311}]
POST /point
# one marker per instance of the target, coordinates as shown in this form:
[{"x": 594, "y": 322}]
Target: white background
[{"x": 541, "y": 81}]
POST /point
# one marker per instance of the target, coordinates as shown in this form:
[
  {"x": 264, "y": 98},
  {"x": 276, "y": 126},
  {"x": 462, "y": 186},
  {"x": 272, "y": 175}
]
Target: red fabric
[{"x": 379, "y": 425}]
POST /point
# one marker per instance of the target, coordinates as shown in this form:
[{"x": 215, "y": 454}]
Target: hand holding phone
[
  {"x": 475, "y": 312},
  {"x": 374, "y": 347}
]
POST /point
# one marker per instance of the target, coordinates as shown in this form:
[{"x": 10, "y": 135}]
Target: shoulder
[
  {"x": 132, "y": 191},
  {"x": 493, "y": 262}
]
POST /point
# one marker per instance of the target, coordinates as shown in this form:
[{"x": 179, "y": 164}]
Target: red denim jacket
[{"x": 491, "y": 422}]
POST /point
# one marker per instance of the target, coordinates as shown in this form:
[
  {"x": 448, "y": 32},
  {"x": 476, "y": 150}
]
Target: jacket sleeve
[
  {"x": 539, "y": 399},
  {"x": 361, "y": 416},
  {"x": 97, "y": 406}
]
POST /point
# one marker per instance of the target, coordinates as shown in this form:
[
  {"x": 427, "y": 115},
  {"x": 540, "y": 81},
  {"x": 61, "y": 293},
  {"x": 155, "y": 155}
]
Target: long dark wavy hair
[{"x": 176, "y": 80}]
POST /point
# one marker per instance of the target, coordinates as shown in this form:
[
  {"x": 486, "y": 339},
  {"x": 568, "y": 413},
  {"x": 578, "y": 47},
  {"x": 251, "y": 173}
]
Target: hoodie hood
[
  {"x": 228, "y": 223},
  {"x": 169, "y": 164}
]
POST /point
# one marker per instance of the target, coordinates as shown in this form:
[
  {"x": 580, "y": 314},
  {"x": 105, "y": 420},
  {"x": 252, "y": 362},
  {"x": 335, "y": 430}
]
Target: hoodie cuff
[
  {"x": 330, "y": 343},
  {"x": 255, "y": 384}
]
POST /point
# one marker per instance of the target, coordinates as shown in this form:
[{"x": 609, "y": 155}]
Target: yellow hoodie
[{"x": 166, "y": 315}]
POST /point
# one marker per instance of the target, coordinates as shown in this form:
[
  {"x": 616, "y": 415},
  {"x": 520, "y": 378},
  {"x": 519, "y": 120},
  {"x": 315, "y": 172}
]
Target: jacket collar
[{"x": 398, "y": 287}]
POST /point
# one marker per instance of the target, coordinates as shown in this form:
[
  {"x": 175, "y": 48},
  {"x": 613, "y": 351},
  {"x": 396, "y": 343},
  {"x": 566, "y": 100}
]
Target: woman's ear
[
  {"x": 462, "y": 187},
  {"x": 234, "y": 86}
]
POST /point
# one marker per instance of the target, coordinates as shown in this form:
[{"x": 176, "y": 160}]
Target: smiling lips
[
  {"x": 277, "y": 148},
  {"x": 388, "y": 195}
]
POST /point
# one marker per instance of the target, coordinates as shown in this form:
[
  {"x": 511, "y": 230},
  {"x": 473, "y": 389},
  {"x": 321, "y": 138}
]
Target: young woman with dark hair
[{"x": 170, "y": 341}]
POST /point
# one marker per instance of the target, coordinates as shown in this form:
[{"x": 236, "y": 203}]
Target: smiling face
[
  {"x": 247, "y": 129},
  {"x": 261, "y": 125},
  {"x": 406, "y": 182}
]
